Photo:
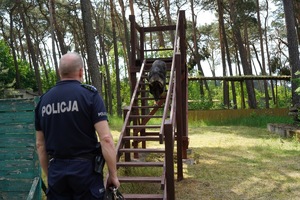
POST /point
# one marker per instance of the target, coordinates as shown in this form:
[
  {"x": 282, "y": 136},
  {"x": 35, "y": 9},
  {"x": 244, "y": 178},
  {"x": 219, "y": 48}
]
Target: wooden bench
[{"x": 19, "y": 165}]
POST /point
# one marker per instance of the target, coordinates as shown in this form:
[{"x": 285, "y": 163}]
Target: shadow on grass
[
  {"x": 251, "y": 132},
  {"x": 258, "y": 172}
]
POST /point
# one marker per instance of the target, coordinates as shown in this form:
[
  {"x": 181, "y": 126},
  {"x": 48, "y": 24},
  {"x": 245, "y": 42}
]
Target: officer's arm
[
  {"x": 41, "y": 150},
  {"x": 108, "y": 150}
]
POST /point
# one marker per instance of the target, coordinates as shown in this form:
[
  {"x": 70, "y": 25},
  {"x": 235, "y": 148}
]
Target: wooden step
[
  {"x": 140, "y": 164},
  {"x": 145, "y": 76},
  {"x": 152, "y": 133},
  {"x": 139, "y": 150},
  {"x": 140, "y": 179},
  {"x": 142, "y": 91},
  {"x": 166, "y": 59},
  {"x": 147, "y": 83},
  {"x": 148, "y": 98},
  {"x": 147, "y": 68},
  {"x": 143, "y": 196},
  {"x": 144, "y": 126},
  {"x": 145, "y": 116},
  {"x": 147, "y": 107},
  {"x": 141, "y": 138}
]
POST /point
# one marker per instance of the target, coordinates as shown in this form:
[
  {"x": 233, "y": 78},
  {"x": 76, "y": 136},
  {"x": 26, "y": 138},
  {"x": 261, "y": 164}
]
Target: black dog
[{"x": 157, "y": 78}]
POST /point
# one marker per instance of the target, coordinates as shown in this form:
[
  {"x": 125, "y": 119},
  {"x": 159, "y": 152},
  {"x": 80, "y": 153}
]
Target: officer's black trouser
[{"x": 74, "y": 179}]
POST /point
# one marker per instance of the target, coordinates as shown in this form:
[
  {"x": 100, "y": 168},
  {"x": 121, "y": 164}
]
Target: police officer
[{"x": 67, "y": 119}]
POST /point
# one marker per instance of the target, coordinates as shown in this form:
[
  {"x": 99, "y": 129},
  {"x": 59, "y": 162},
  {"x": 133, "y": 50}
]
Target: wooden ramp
[{"x": 146, "y": 146}]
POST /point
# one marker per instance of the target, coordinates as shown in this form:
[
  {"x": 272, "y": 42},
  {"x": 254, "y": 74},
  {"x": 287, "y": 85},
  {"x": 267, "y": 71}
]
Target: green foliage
[
  {"x": 214, "y": 100},
  {"x": 50, "y": 80},
  {"x": 6, "y": 68},
  {"x": 26, "y": 76},
  {"x": 297, "y": 82},
  {"x": 8, "y": 72}
]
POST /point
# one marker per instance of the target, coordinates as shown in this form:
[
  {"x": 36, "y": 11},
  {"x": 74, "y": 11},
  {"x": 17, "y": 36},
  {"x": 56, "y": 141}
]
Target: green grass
[
  {"x": 236, "y": 159},
  {"x": 239, "y": 162}
]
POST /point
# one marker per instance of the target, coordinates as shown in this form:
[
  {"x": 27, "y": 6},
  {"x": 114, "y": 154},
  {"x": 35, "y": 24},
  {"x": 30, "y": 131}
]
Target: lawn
[
  {"x": 236, "y": 162},
  {"x": 240, "y": 162}
]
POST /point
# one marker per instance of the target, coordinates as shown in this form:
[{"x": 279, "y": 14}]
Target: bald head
[{"x": 70, "y": 65}]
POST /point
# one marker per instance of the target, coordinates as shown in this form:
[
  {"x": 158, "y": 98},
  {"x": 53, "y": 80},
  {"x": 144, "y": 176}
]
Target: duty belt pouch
[{"x": 99, "y": 164}]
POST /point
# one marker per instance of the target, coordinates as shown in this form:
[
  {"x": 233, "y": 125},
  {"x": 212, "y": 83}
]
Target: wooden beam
[
  {"x": 241, "y": 78},
  {"x": 159, "y": 28}
]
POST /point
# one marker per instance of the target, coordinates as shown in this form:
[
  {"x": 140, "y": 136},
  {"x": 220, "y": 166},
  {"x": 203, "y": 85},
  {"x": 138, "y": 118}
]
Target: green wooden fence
[{"x": 19, "y": 166}]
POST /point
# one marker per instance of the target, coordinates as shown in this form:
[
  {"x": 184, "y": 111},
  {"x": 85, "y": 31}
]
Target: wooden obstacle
[{"x": 19, "y": 165}]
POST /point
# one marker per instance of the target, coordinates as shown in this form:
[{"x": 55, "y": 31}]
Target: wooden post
[
  {"x": 142, "y": 40},
  {"x": 132, "y": 60},
  {"x": 184, "y": 85},
  {"x": 127, "y": 133},
  {"x": 179, "y": 117},
  {"x": 169, "y": 148}
]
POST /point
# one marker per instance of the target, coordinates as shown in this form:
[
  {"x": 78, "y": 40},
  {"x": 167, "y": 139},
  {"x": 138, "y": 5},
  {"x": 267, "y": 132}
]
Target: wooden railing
[{"x": 127, "y": 113}]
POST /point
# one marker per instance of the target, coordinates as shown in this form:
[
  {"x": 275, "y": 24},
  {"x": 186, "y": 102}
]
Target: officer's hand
[{"x": 113, "y": 181}]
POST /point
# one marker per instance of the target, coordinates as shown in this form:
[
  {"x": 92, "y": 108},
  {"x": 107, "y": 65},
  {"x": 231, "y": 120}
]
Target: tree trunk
[
  {"x": 243, "y": 56},
  {"x": 32, "y": 53},
  {"x": 169, "y": 19},
  {"x": 52, "y": 21},
  {"x": 155, "y": 11},
  {"x": 118, "y": 87},
  {"x": 227, "y": 50},
  {"x": 127, "y": 43},
  {"x": 267, "y": 52},
  {"x": 107, "y": 80},
  {"x": 93, "y": 65},
  {"x": 12, "y": 46},
  {"x": 59, "y": 34},
  {"x": 196, "y": 52},
  {"x": 222, "y": 47},
  {"x": 131, "y": 7},
  {"x": 262, "y": 54},
  {"x": 292, "y": 46}
]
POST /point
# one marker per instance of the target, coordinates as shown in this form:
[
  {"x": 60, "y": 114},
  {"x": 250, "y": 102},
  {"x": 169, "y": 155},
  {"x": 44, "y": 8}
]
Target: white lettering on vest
[{"x": 60, "y": 107}]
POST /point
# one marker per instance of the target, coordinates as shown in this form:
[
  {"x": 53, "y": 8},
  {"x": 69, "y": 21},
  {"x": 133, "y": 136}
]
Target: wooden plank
[
  {"x": 17, "y": 128},
  {"x": 241, "y": 78},
  {"x": 13, "y": 195},
  {"x": 141, "y": 138},
  {"x": 147, "y": 107},
  {"x": 144, "y": 126},
  {"x": 17, "y": 174},
  {"x": 152, "y": 133},
  {"x": 140, "y": 164},
  {"x": 17, "y": 140},
  {"x": 19, "y": 169},
  {"x": 15, "y": 185},
  {"x": 34, "y": 190},
  {"x": 136, "y": 150},
  {"x": 145, "y": 179},
  {"x": 13, "y": 105},
  {"x": 160, "y": 28},
  {"x": 16, "y": 118},
  {"x": 145, "y": 116},
  {"x": 26, "y": 153},
  {"x": 144, "y": 196}
]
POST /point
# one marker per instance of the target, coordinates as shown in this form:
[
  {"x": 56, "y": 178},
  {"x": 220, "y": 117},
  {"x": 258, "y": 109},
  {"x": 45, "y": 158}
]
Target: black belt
[{"x": 67, "y": 157}]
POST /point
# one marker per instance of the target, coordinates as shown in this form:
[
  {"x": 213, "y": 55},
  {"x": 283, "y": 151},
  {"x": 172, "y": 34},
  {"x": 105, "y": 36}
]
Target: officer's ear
[
  {"x": 81, "y": 73},
  {"x": 60, "y": 76}
]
